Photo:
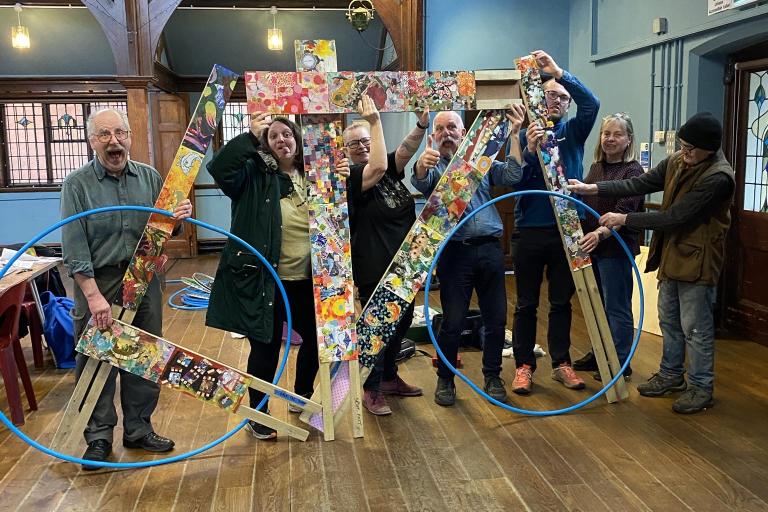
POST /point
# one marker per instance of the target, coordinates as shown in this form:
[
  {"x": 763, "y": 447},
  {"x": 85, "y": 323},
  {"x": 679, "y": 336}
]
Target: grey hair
[
  {"x": 90, "y": 128},
  {"x": 358, "y": 123}
]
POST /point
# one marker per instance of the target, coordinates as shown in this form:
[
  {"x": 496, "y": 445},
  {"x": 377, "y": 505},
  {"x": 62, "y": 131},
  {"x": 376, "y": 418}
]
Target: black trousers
[
  {"x": 263, "y": 359},
  {"x": 385, "y": 367},
  {"x": 539, "y": 249}
]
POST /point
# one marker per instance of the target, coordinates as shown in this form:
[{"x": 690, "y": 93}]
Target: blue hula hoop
[
  {"x": 466, "y": 379},
  {"x": 168, "y": 460}
]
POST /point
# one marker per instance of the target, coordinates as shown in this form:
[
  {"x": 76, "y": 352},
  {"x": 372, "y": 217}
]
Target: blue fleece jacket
[{"x": 536, "y": 211}]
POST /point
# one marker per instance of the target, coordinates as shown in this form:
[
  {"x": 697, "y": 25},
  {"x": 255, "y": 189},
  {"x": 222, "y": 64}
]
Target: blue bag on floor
[{"x": 59, "y": 329}]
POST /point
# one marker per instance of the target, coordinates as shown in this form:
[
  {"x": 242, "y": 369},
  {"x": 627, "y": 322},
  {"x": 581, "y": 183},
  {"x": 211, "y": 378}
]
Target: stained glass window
[
  {"x": 236, "y": 120},
  {"x": 45, "y": 141},
  {"x": 756, "y": 160}
]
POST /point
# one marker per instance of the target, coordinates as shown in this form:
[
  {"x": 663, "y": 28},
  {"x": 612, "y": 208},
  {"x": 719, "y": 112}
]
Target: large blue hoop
[
  {"x": 466, "y": 379},
  {"x": 289, "y": 320}
]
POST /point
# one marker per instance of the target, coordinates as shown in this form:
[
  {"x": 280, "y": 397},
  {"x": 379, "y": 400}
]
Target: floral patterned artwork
[
  {"x": 377, "y": 323},
  {"x": 315, "y": 54},
  {"x": 329, "y": 240},
  {"x": 447, "y": 202},
  {"x": 314, "y": 92},
  {"x": 554, "y": 169},
  {"x": 148, "y": 258},
  {"x": 161, "y": 361},
  {"x": 408, "y": 271}
]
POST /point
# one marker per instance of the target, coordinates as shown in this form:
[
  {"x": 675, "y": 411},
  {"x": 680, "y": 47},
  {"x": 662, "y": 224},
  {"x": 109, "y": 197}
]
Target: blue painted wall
[{"x": 489, "y": 34}]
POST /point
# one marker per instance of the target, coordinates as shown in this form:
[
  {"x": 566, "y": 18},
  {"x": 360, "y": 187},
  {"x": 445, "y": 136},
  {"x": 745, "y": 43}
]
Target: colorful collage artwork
[
  {"x": 567, "y": 216},
  {"x": 316, "y": 92},
  {"x": 148, "y": 258},
  {"x": 408, "y": 271},
  {"x": 158, "y": 360},
  {"x": 315, "y": 54},
  {"x": 330, "y": 240}
]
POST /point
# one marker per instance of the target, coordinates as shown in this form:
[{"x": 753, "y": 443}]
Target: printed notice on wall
[{"x": 716, "y": 6}]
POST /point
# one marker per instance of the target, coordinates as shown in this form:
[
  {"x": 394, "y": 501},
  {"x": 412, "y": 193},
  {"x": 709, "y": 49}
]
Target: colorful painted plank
[
  {"x": 554, "y": 171},
  {"x": 568, "y": 223},
  {"x": 407, "y": 272},
  {"x": 316, "y": 92},
  {"x": 148, "y": 257},
  {"x": 329, "y": 239}
]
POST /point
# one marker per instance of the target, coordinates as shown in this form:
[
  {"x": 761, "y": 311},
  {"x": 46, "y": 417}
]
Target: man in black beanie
[{"x": 687, "y": 248}]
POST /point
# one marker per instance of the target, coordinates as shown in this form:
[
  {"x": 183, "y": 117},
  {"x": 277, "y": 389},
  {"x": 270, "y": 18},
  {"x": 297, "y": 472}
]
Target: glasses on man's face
[
  {"x": 555, "y": 96},
  {"x": 684, "y": 146},
  {"x": 357, "y": 143},
  {"x": 106, "y": 136}
]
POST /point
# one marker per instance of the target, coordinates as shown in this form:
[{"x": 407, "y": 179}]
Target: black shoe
[
  {"x": 693, "y": 400},
  {"x": 627, "y": 375},
  {"x": 261, "y": 432},
  {"x": 588, "y": 363},
  {"x": 151, "y": 443},
  {"x": 660, "y": 386},
  {"x": 98, "y": 450},
  {"x": 445, "y": 394},
  {"x": 494, "y": 387}
]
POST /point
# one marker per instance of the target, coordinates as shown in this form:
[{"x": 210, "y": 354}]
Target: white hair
[
  {"x": 358, "y": 123},
  {"x": 90, "y": 128}
]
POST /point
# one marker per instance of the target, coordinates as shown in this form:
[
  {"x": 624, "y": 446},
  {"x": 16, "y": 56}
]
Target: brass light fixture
[
  {"x": 360, "y": 14},
  {"x": 274, "y": 34},
  {"x": 19, "y": 33}
]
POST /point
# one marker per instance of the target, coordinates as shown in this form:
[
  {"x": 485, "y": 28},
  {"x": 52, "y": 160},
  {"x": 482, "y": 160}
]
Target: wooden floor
[{"x": 636, "y": 455}]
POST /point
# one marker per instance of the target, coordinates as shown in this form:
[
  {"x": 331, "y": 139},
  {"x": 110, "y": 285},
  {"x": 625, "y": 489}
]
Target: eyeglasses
[
  {"x": 684, "y": 146},
  {"x": 106, "y": 136},
  {"x": 355, "y": 144},
  {"x": 554, "y": 96}
]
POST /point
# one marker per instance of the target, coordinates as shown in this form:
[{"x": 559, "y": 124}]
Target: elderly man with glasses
[
  {"x": 97, "y": 250},
  {"x": 687, "y": 249},
  {"x": 537, "y": 241},
  {"x": 382, "y": 212}
]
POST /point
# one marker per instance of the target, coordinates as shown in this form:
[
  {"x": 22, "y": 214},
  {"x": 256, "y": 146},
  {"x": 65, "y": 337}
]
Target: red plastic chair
[
  {"x": 12, "y": 362},
  {"x": 29, "y": 311}
]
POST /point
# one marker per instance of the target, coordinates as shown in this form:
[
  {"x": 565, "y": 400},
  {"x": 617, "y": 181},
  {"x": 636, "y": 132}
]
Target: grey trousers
[{"x": 138, "y": 397}]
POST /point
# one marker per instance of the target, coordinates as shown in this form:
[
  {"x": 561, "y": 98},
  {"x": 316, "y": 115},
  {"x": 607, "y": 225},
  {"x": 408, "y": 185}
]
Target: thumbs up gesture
[{"x": 427, "y": 159}]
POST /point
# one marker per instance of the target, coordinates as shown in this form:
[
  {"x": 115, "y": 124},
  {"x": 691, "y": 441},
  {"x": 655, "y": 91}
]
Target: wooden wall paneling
[
  {"x": 138, "y": 116},
  {"x": 404, "y": 21},
  {"x": 169, "y": 122}
]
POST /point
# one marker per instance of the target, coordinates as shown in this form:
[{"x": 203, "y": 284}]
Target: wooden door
[
  {"x": 170, "y": 113},
  {"x": 745, "y": 280}
]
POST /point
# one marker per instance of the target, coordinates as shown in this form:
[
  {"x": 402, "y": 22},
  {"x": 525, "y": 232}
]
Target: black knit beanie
[{"x": 703, "y": 131}]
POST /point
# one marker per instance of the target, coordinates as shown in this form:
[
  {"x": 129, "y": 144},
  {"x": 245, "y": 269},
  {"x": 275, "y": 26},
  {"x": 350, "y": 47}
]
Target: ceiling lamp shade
[
  {"x": 274, "y": 34},
  {"x": 19, "y": 33}
]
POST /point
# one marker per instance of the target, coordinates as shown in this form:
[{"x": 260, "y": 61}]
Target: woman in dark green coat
[{"x": 262, "y": 172}]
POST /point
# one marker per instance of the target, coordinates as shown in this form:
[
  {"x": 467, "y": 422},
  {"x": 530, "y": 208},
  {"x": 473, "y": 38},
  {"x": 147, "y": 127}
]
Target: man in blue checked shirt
[{"x": 473, "y": 258}]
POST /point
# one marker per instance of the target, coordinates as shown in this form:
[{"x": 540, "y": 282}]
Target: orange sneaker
[
  {"x": 565, "y": 374},
  {"x": 523, "y": 380}
]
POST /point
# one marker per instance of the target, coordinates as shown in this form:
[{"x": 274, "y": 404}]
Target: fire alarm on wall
[{"x": 659, "y": 26}]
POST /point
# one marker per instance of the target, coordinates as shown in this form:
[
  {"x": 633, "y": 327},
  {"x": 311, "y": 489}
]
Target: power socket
[{"x": 659, "y": 136}]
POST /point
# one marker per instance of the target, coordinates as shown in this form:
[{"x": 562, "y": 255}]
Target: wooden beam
[{"x": 404, "y": 20}]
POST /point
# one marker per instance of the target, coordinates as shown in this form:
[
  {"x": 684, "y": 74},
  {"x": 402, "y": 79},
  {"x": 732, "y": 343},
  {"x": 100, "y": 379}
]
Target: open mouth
[{"x": 115, "y": 156}]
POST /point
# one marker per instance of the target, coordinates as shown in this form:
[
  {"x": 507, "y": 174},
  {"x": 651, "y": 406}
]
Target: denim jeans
[
  {"x": 614, "y": 280},
  {"x": 462, "y": 269},
  {"x": 385, "y": 367},
  {"x": 687, "y": 321},
  {"x": 536, "y": 249}
]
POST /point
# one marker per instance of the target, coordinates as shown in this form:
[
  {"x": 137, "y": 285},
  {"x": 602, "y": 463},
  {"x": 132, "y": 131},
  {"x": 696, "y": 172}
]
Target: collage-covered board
[
  {"x": 554, "y": 170},
  {"x": 158, "y": 360},
  {"x": 148, "y": 257},
  {"x": 317, "y": 92}
]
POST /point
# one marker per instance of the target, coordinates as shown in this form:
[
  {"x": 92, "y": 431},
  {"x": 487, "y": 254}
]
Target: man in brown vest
[{"x": 687, "y": 248}]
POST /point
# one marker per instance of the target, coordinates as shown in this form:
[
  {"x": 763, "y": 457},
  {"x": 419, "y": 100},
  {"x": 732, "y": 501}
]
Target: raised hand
[
  {"x": 516, "y": 116},
  {"x": 428, "y": 158},
  {"x": 259, "y": 123},
  {"x": 547, "y": 63},
  {"x": 534, "y": 135},
  {"x": 367, "y": 109}
]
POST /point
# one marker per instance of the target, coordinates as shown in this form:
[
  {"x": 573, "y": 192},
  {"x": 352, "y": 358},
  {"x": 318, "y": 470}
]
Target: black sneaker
[
  {"x": 692, "y": 401},
  {"x": 627, "y": 375},
  {"x": 97, "y": 450},
  {"x": 660, "y": 386},
  {"x": 151, "y": 443},
  {"x": 445, "y": 394},
  {"x": 260, "y": 431},
  {"x": 588, "y": 363},
  {"x": 494, "y": 386}
]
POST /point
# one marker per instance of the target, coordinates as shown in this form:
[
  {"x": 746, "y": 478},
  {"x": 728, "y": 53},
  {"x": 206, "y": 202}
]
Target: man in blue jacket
[{"x": 539, "y": 245}]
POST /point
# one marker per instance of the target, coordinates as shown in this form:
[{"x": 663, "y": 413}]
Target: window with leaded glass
[{"x": 756, "y": 163}]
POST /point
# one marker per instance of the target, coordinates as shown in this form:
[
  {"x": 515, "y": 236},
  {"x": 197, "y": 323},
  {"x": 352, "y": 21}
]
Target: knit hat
[{"x": 703, "y": 131}]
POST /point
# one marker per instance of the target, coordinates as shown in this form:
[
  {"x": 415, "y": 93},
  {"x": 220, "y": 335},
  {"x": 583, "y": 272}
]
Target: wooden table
[{"x": 39, "y": 268}]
